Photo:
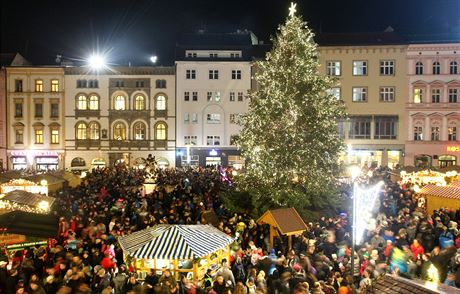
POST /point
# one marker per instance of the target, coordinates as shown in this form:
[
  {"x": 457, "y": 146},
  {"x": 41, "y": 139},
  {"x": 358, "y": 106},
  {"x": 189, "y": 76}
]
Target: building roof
[
  {"x": 286, "y": 220},
  {"x": 387, "y": 37},
  {"x": 122, "y": 70},
  {"x": 205, "y": 40},
  {"x": 29, "y": 224},
  {"x": 27, "y": 198},
  {"x": 441, "y": 191},
  {"x": 13, "y": 59},
  {"x": 397, "y": 285},
  {"x": 175, "y": 242}
]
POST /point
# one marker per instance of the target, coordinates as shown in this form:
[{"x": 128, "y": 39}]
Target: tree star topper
[{"x": 292, "y": 9}]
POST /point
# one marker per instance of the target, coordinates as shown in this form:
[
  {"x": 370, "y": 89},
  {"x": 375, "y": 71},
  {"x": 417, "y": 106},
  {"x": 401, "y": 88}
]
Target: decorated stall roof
[
  {"x": 27, "y": 198},
  {"x": 175, "y": 242},
  {"x": 397, "y": 285}
]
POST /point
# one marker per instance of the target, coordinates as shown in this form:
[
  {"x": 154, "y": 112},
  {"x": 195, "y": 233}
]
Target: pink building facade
[{"x": 433, "y": 105}]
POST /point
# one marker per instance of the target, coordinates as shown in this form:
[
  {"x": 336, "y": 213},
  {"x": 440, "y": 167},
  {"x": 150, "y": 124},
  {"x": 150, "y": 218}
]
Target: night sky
[{"x": 133, "y": 30}]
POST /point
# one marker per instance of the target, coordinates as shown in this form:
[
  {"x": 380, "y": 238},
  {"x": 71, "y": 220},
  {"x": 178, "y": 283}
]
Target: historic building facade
[
  {"x": 433, "y": 104},
  {"x": 371, "y": 80},
  {"x": 213, "y": 77},
  {"x": 3, "y": 123},
  {"x": 122, "y": 115},
  {"x": 35, "y": 101}
]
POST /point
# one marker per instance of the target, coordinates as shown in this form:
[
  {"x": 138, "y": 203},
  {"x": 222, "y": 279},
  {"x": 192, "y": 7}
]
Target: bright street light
[
  {"x": 153, "y": 58},
  {"x": 96, "y": 62}
]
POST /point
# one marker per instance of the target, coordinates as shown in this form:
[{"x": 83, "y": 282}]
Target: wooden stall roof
[
  {"x": 286, "y": 220},
  {"x": 441, "y": 191},
  {"x": 27, "y": 198},
  {"x": 397, "y": 285},
  {"x": 29, "y": 224}
]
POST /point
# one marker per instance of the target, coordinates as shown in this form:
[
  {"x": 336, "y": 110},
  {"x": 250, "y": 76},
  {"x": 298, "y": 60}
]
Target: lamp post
[{"x": 354, "y": 172}]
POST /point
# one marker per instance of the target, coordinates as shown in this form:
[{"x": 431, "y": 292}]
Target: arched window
[
  {"x": 419, "y": 68},
  {"x": 139, "y": 102},
  {"x": 139, "y": 131},
  {"x": 94, "y": 130},
  {"x": 436, "y": 68},
  {"x": 82, "y": 102},
  {"x": 94, "y": 102},
  {"x": 119, "y": 131},
  {"x": 160, "y": 103},
  {"x": 77, "y": 161},
  {"x": 160, "y": 131},
  {"x": 453, "y": 68},
  {"x": 81, "y": 131},
  {"x": 120, "y": 102}
]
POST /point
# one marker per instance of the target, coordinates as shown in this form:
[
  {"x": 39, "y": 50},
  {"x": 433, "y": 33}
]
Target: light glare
[{"x": 96, "y": 61}]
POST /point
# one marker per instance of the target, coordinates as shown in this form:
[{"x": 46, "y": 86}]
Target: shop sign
[
  {"x": 49, "y": 160},
  {"x": 25, "y": 245},
  {"x": 19, "y": 159},
  {"x": 453, "y": 148},
  {"x": 33, "y": 153},
  {"x": 12, "y": 238}
]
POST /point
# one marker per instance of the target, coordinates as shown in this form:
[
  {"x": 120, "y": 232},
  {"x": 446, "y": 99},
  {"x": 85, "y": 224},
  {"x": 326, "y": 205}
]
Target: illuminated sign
[
  {"x": 453, "y": 148},
  {"x": 33, "y": 153}
]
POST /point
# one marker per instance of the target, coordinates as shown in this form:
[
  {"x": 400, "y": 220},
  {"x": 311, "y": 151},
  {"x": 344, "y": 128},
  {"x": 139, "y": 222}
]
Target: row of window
[
  {"x": 38, "y": 110},
  {"x": 419, "y": 95},
  {"x": 386, "y": 67},
  {"x": 211, "y": 118},
  {"x": 84, "y": 131},
  {"x": 360, "y": 94},
  {"x": 359, "y": 127},
  {"x": 213, "y": 55},
  {"x": 360, "y": 67},
  {"x": 212, "y": 140},
  {"x": 38, "y": 134},
  {"x": 18, "y": 85},
  {"x": 213, "y": 74},
  {"x": 214, "y": 96},
  {"x": 435, "y": 133},
  {"x": 91, "y": 102},
  {"x": 436, "y": 68},
  {"x": 87, "y": 84}
]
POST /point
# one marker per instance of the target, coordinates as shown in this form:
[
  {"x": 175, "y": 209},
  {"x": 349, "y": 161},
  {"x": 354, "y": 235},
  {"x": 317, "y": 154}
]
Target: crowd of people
[{"x": 401, "y": 239}]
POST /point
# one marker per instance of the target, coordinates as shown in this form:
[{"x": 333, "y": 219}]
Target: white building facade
[
  {"x": 433, "y": 105},
  {"x": 123, "y": 115},
  {"x": 35, "y": 101},
  {"x": 212, "y": 83}
]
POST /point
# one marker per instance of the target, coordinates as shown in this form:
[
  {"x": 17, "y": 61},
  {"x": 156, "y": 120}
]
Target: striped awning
[
  {"x": 175, "y": 242},
  {"x": 441, "y": 191}
]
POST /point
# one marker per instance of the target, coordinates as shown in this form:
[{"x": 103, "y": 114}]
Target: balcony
[
  {"x": 160, "y": 113},
  {"x": 119, "y": 143},
  {"x": 140, "y": 144},
  {"x": 160, "y": 144},
  {"x": 87, "y": 113},
  {"x": 129, "y": 115},
  {"x": 88, "y": 143}
]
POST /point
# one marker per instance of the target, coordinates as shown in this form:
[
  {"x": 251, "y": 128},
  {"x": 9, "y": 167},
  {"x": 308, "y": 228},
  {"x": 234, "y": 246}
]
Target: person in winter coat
[
  {"x": 417, "y": 250},
  {"x": 226, "y": 273}
]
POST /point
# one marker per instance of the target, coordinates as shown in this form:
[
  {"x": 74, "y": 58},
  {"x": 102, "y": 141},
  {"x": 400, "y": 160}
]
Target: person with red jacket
[
  {"x": 107, "y": 262},
  {"x": 417, "y": 249}
]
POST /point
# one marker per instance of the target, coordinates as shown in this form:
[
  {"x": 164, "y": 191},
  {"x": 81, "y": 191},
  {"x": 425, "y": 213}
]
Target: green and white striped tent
[{"x": 175, "y": 242}]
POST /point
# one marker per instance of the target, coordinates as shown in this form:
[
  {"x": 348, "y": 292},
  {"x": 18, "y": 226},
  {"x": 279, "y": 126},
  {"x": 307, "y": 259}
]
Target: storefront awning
[{"x": 175, "y": 242}]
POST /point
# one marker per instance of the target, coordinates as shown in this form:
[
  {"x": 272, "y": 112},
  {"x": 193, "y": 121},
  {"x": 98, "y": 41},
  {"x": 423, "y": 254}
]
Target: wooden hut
[
  {"x": 440, "y": 197},
  {"x": 283, "y": 221},
  {"x": 183, "y": 249}
]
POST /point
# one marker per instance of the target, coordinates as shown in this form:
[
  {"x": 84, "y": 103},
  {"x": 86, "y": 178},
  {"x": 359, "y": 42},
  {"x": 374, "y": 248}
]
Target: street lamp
[
  {"x": 153, "y": 58},
  {"x": 97, "y": 62}
]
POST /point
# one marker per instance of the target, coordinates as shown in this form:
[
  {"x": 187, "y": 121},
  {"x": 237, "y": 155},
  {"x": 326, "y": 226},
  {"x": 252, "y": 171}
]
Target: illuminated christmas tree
[{"x": 289, "y": 134}]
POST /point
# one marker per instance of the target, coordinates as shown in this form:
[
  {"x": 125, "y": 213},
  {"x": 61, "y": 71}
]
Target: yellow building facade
[{"x": 372, "y": 81}]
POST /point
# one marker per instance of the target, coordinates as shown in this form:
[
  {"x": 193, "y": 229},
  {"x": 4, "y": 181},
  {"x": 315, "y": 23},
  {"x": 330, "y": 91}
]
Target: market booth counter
[{"x": 183, "y": 249}]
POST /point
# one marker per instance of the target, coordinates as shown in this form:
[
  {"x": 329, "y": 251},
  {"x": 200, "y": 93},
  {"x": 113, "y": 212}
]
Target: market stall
[
  {"x": 425, "y": 177},
  {"x": 25, "y": 201},
  {"x": 25, "y": 185},
  {"x": 183, "y": 249},
  {"x": 283, "y": 221},
  {"x": 436, "y": 197}
]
